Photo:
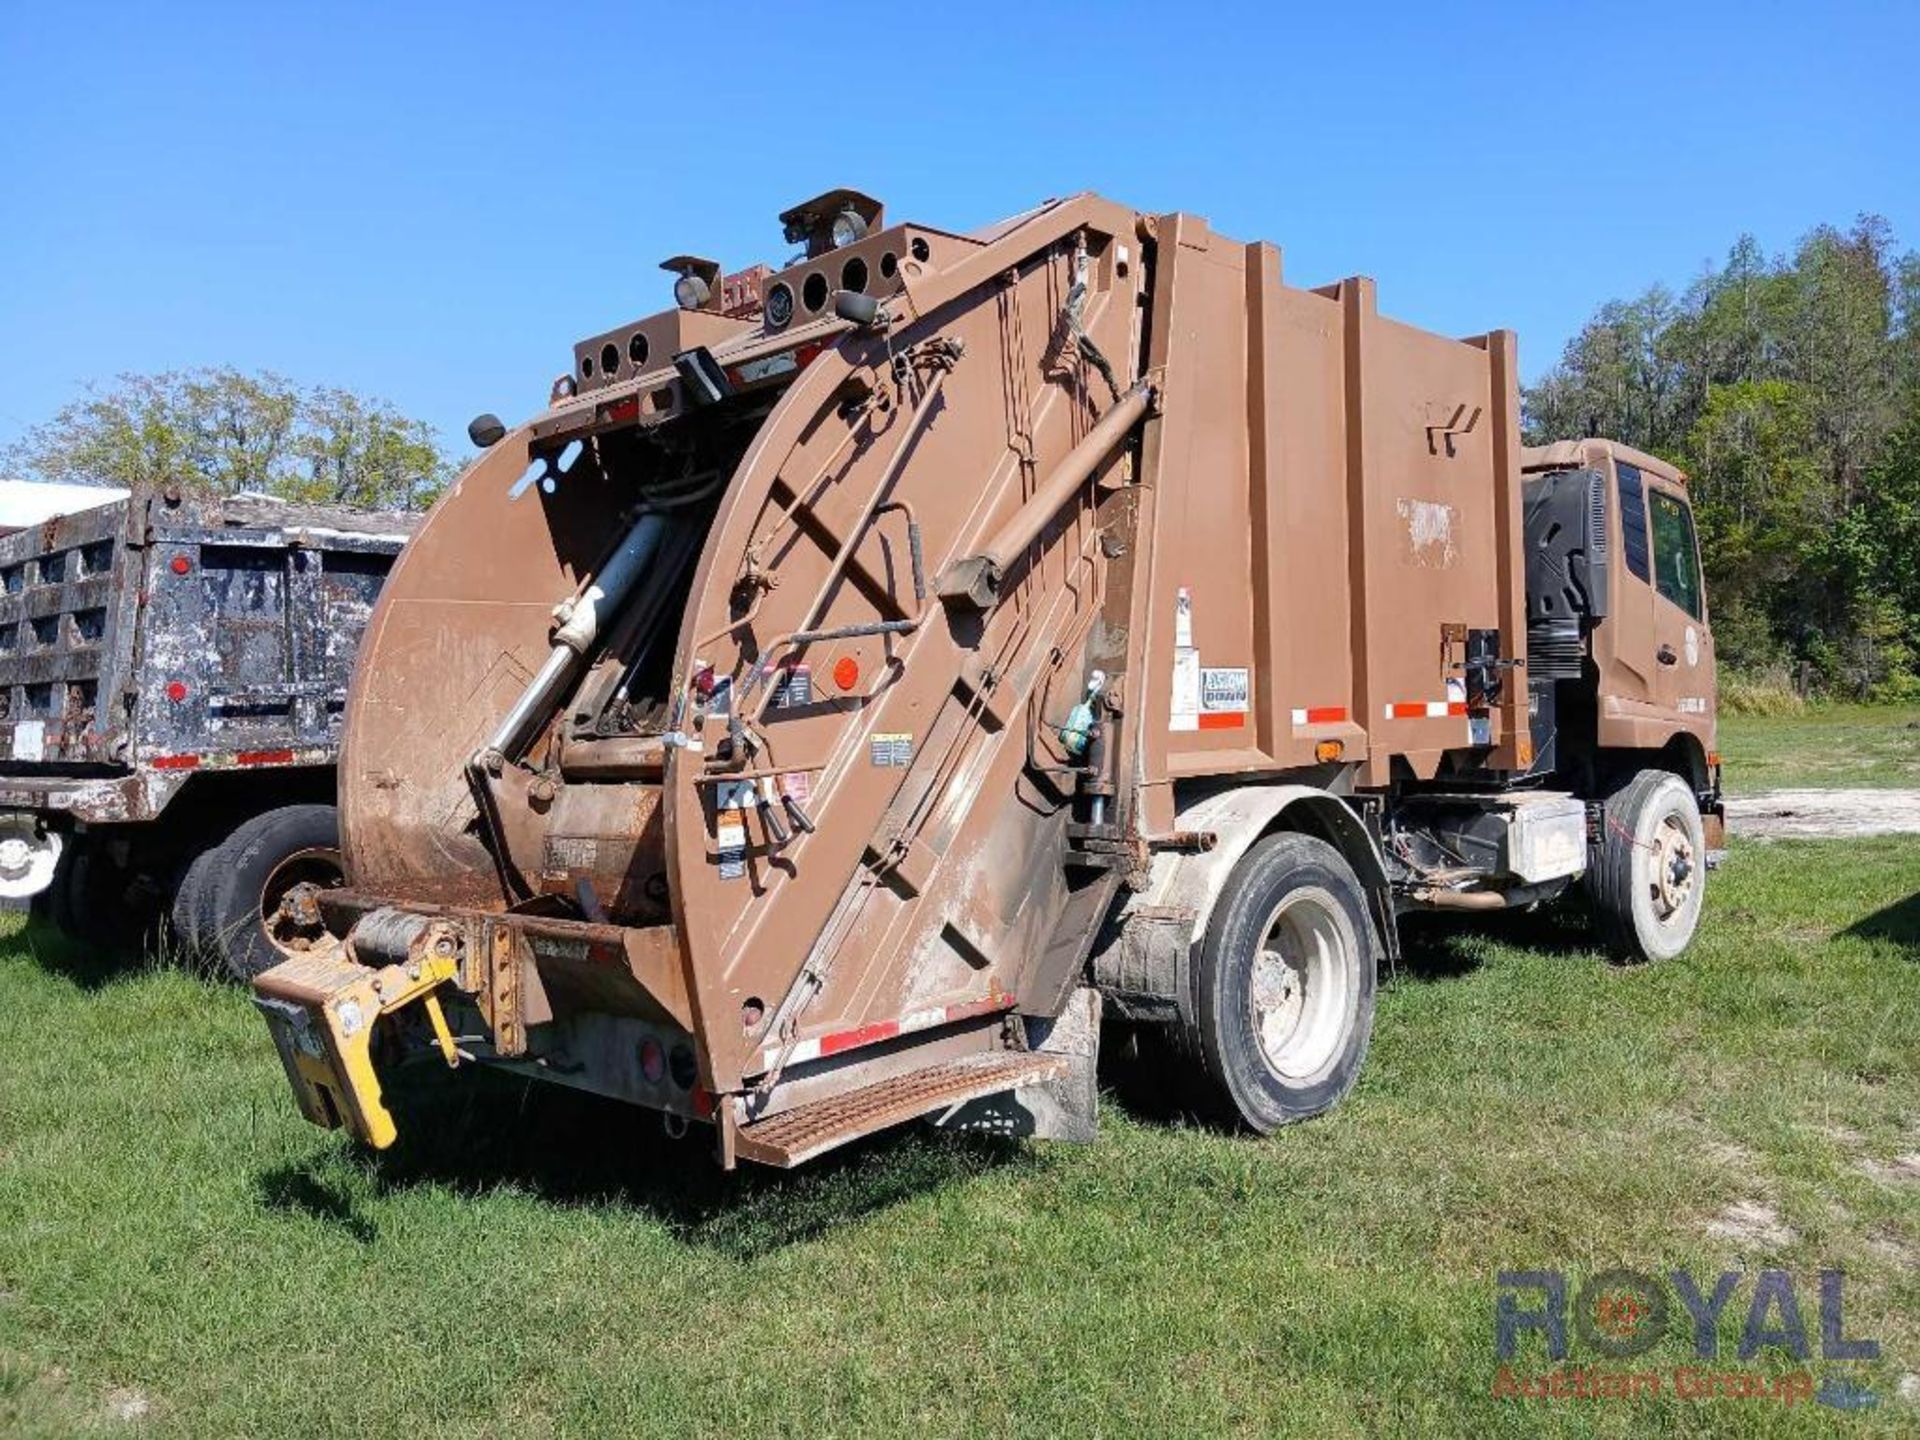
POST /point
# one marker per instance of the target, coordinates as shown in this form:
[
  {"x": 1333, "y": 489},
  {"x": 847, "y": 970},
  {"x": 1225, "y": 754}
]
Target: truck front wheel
[
  {"x": 1283, "y": 990},
  {"x": 1647, "y": 874}
]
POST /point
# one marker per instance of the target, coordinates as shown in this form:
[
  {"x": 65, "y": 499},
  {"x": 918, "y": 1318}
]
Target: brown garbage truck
[{"x": 867, "y": 675}]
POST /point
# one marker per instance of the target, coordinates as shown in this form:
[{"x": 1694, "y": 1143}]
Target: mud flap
[
  {"x": 321, "y": 1009},
  {"x": 1063, "y": 1109}
]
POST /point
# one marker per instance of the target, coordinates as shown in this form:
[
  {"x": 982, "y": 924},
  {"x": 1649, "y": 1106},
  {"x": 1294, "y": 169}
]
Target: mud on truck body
[
  {"x": 863, "y": 677},
  {"x": 172, "y": 677}
]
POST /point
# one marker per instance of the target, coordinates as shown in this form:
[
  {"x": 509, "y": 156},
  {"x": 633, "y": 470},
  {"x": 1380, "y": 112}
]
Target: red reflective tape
[
  {"x": 174, "y": 762},
  {"x": 854, "y": 1039},
  {"x": 1402, "y": 711},
  {"x": 1456, "y": 707},
  {"x": 1223, "y": 719},
  {"x": 1326, "y": 714},
  {"x": 264, "y": 757}
]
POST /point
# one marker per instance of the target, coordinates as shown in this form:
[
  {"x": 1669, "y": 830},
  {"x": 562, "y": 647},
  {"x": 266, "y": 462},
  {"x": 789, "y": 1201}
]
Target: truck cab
[{"x": 1622, "y": 671}]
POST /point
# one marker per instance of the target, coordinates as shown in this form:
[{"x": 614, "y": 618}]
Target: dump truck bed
[{"x": 157, "y": 637}]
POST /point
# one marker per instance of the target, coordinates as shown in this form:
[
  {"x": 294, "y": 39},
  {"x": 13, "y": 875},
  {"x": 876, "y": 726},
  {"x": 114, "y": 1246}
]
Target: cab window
[
  {"x": 1633, "y": 520},
  {"x": 1676, "y": 561}
]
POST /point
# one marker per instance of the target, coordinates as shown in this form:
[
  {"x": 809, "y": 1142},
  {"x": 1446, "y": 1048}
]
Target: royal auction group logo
[{"x": 1621, "y": 1315}]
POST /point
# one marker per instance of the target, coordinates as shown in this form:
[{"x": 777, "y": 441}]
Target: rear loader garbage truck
[{"x": 865, "y": 674}]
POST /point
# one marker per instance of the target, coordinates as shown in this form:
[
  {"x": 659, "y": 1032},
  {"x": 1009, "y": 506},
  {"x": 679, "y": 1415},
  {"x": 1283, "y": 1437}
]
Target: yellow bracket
[{"x": 321, "y": 1008}]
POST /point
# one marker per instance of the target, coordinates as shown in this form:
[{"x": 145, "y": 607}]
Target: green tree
[
  {"x": 221, "y": 432},
  {"x": 1788, "y": 388}
]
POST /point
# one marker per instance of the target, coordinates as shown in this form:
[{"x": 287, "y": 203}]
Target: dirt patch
[
  {"x": 1751, "y": 1222},
  {"x": 128, "y": 1404},
  {"x": 1901, "y": 1170},
  {"x": 1823, "y": 814}
]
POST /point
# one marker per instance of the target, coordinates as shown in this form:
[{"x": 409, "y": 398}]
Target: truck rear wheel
[
  {"x": 241, "y": 906},
  {"x": 1647, "y": 875},
  {"x": 1284, "y": 985},
  {"x": 90, "y": 902}
]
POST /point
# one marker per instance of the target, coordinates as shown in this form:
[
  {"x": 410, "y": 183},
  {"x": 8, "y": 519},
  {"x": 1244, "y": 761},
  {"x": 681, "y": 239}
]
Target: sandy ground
[{"x": 1816, "y": 814}]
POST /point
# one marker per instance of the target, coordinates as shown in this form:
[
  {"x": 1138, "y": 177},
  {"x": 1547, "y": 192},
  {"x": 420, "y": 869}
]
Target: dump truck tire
[
  {"x": 190, "y": 915},
  {"x": 1284, "y": 986},
  {"x": 1647, "y": 876},
  {"x": 88, "y": 901},
  {"x": 52, "y": 907},
  {"x": 252, "y": 868}
]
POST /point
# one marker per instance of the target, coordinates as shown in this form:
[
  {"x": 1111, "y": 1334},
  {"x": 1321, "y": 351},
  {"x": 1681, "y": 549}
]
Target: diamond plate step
[{"x": 795, "y": 1136}]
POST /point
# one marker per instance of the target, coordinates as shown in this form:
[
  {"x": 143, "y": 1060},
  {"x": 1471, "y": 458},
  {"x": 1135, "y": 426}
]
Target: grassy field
[
  {"x": 180, "y": 1255},
  {"x": 1833, "y": 747}
]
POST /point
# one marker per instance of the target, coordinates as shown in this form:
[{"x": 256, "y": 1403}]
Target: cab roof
[{"x": 1567, "y": 454}]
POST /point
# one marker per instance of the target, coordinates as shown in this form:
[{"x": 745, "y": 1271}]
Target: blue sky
[{"x": 431, "y": 202}]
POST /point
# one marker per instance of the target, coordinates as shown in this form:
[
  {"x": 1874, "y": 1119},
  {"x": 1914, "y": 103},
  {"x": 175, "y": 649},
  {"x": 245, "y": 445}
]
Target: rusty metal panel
[{"x": 157, "y": 636}]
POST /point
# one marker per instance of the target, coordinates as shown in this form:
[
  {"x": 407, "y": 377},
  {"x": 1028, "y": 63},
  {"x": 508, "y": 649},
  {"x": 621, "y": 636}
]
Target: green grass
[
  {"x": 1829, "y": 747},
  {"x": 534, "y": 1263}
]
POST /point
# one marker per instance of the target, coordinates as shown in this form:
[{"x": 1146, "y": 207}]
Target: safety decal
[
  {"x": 794, "y": 687},
  {"x": 730, "y": 839},
  {"x": 890, "y": 751},
  {"x": 1223, "y": 698},
  {"x": 1186, "y": 665}
]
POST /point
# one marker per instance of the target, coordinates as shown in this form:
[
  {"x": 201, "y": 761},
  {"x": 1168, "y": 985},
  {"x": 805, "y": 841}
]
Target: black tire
[
  {"x": 1651, "y": 825},
  {"x": 190, "y": 915},
  {"x": 53, "y": 906},
  {"x": 104, "y": 909},
  {"x": 90, "y": 901},
  {"x": 1265, "y": 1069},
  {"x": 230, "y": 915}
]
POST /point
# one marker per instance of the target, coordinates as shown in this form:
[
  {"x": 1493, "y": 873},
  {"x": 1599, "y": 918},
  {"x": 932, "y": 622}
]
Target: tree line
[
  {"x": 1788, "y": 388},
  {"x": 221, "y": 431}
]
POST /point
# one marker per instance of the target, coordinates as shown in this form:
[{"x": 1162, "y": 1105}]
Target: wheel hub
[
  {"x": 290, "y": 900},
  {"x": 1301, "y": 989},
  {"x": 1673, "y": 869}
]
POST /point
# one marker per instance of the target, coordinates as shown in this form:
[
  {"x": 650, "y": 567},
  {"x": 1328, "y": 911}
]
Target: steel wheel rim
[
  {"x": 1303, "y": 991},
  {"x": 1675, "y": 870},
  {"x": 282, "y": 920}
]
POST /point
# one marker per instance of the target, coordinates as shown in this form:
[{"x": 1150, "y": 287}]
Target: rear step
[{"x": 795, "y": 1136}]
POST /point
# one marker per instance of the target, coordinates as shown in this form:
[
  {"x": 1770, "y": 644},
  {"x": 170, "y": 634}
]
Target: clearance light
[
  {"x": 848, "y": 226},
  {"x": 1329, "y": 750},
  {"x": 846, "y": 672},
  {"x": 690, "y": 292},
  {"x": 653, "y": 1061},
  {"x": 176, "y": 691},
  {"x": 180, "y": 565}
]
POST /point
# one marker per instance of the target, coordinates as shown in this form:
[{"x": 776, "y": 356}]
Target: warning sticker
[
  {"x": 891, "y": 751},
  {"x": 797, "y": 785},
  {"x": 794, "y": 687},
  {"x": 1222, "y": 690},
  {"x": 1186, "y": 689},
  {"x": 1223, "y": 698},
  {"x": 734, "y": 795},
  {"x": 730, "y": 839}
]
